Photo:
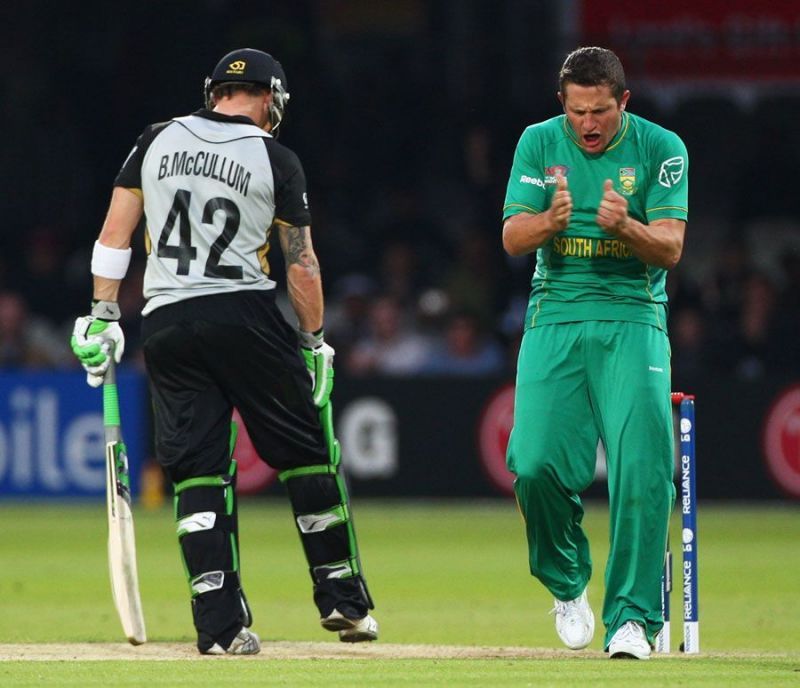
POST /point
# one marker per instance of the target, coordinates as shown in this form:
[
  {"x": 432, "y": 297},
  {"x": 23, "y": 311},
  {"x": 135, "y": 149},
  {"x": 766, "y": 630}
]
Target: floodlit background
[{"x": 405, "y": 115}]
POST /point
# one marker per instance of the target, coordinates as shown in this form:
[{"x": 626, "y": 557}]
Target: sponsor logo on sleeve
[
  {"x": 525, "y": 179},
  {"x": 671, "y": 171}
]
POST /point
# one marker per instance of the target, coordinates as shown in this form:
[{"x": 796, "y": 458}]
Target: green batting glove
[{"x": 319, "y": 362}]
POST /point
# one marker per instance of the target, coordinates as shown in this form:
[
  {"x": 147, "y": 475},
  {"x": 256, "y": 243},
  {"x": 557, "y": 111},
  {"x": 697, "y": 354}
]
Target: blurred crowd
[
  {"x": 420, "y": 311},
  {"x": 407, "y": 153}
]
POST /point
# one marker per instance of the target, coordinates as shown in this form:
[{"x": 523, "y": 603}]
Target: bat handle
[
  {"x": 111, "y": 395},
  {"x": 110, "y": 377}
]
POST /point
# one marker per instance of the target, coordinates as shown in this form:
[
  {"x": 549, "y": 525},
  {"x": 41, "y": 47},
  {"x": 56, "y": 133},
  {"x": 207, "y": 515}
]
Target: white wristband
[{"x": 111, "y": 263}]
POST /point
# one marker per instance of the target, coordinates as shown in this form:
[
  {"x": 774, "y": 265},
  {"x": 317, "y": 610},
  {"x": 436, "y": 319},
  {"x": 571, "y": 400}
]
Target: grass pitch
[{"x": 454, "y": 598}]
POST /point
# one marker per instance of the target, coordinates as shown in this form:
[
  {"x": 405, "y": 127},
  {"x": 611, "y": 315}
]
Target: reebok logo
[{"x": 525, "y": 179}]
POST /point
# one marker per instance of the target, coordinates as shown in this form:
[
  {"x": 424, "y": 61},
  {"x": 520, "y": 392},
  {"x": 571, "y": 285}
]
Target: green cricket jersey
[{"x": 584, "y": 273}]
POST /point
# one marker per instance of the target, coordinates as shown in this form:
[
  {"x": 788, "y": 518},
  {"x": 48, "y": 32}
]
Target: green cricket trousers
[{"x": 576, "y": 383}]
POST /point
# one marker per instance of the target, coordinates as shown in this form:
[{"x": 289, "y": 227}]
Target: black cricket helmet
[{"x": 247, "y": 65}]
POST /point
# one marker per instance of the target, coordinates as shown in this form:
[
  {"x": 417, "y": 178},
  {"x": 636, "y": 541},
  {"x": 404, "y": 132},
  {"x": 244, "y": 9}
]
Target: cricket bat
[{"x": 121, "y": 538}]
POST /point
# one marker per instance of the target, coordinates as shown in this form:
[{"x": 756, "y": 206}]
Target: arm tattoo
[{"x": 296, "y": 249}]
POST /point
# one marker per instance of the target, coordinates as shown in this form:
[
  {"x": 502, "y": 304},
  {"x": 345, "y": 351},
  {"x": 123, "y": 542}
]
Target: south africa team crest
[{"x": 627, "y": 180}]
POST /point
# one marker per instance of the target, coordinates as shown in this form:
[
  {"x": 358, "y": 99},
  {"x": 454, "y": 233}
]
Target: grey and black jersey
[{"x": 213, "y": 186}]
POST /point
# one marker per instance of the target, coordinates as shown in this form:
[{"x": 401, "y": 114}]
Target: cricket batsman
[{"x": 214, "y": 187}]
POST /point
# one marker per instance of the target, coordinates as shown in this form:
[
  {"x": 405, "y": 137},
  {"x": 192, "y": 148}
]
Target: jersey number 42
[{"x": 184, "y": 252}]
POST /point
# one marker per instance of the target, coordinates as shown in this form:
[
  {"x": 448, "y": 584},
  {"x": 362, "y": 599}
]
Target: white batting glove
[{"x": 92, "y": 340}]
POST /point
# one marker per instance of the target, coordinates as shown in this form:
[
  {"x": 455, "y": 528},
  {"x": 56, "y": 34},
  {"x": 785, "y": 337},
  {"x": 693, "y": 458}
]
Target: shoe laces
[
  {"x": 631, "y": 630},
  {"x": 562, "y": 608}
]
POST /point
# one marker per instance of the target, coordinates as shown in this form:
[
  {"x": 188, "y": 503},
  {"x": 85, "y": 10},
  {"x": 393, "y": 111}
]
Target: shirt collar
[
  {"x": 615, "y": 141},
  {"x": 220, "y": 117}
]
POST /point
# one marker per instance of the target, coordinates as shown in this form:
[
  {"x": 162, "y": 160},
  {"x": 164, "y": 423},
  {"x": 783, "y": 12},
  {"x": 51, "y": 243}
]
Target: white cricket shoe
[
  {"x": 629, "y": 642},
  {"x": 574, "y": 622},
  {"x": 351, "y": 630},
  {"x": 245, "y": 643}
]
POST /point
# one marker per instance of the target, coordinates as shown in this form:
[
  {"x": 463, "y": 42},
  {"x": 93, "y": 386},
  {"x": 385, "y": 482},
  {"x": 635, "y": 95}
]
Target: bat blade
[{"x": 122, "y": 544}]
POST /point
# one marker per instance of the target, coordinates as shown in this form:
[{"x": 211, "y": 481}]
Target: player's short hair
[
  {"x": 592, "y": 66},
  {"x": 228, "y": 88}
]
